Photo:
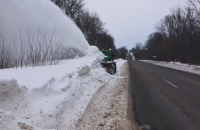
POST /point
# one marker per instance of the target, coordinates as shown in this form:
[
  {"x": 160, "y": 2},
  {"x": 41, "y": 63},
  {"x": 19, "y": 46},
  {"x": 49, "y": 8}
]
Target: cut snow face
[
  {"x": 119, "y": 63},
  {"x": 36, "y": 21},
  {"x": 50, "y": 97}
]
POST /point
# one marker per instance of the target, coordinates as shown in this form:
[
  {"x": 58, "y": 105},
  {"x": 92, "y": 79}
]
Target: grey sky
[{"x": 131, "y": 21}]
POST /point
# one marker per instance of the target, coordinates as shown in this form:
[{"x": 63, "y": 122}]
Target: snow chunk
[
  {"x": 6, "y": 85},
  {"x": 94, "y": 51},
  {"x": 83, "y": 70},
  {"x": 11, "y": 86}
]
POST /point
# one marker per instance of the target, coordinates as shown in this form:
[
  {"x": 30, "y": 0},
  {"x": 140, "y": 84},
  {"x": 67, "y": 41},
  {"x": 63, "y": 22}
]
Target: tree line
[
  {"x": 177, "y": 36},
  {"x": 89, "y": 23}
]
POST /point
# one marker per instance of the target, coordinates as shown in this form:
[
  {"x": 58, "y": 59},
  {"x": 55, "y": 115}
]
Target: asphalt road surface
[{"x": 165, "y": 99}]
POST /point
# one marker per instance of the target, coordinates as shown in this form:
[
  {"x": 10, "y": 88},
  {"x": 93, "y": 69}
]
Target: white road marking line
[
  {"x": 170, "y": 83},
  {"x": 149, "y": 71}
]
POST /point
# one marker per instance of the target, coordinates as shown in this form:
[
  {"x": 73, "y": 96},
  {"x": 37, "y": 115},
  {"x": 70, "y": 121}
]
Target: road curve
[{"x": 163, "y": 98}]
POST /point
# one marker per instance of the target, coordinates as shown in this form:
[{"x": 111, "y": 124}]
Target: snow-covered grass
[
  {"x": 176, "y": 65},
  {"x": 51, "y": 97}
]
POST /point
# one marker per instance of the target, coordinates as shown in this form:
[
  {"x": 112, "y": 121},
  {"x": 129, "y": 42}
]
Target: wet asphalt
[{"x": 163, "y": 98}]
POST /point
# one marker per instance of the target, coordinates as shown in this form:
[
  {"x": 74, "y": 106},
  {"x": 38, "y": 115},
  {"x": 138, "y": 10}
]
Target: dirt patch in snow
[{"x": 109, "y": 108}]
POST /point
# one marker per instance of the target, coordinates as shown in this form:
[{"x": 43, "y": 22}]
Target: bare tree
[
  {"x": 177, "y": 37},
  {"x": 72, "y": 8},
  {"x": 122, "y": 52},
  {"x": 35, "y": 50},
  {"x": 89, "y": 23}
]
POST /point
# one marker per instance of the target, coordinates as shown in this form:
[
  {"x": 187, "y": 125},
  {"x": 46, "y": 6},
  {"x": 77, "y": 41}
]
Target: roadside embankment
[{"x": 110, "y": 107}]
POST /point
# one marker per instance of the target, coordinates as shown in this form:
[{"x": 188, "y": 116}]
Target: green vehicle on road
[{"x": 108, "y": 62}]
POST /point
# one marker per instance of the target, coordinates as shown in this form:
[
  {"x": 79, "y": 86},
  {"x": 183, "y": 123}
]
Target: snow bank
[
  {"x": 50, "y": 97},
  {"x": 119, "y": 63},
  {"x": 176, "y": 65}
]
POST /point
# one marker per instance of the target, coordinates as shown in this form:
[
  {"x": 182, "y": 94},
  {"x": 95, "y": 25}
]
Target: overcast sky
[{"x": 131, "y": 21}]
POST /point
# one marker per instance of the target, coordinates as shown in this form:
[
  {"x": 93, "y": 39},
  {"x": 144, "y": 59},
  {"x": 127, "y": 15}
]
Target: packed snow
[
  {"x": 195, "y": 69},
  {"x": 50, "y": 97}
]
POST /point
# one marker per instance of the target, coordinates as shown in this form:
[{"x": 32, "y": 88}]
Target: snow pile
[
  {"x": 95, "y": 53},
  {"x": 176, "y": 65},
  {"x": 50, "y": 97},
  {"x": 36, "y": 21}
]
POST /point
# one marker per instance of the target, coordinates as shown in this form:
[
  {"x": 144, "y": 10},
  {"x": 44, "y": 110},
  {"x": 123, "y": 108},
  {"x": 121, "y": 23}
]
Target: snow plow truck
[{"x": 108, "y": 62}]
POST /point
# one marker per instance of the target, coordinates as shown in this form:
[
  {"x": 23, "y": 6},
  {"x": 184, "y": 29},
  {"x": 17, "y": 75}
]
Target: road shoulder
[
  {"x": 172, "y": 68},
  {"x": 110, "y": 108}
]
